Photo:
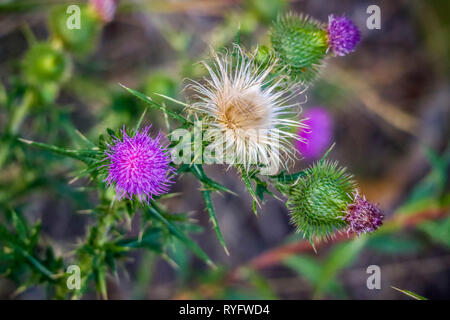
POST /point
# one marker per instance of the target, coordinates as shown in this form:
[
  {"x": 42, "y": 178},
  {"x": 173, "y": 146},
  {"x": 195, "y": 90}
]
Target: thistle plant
[
  {"x": 302, "y": 43},
  {"x": 248, "y": 100}
]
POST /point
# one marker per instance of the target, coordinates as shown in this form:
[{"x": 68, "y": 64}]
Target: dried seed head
[{"x": 249, "y": 109}]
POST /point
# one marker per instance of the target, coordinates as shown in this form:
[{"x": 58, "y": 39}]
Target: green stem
[
  {"x": 20, "y": 112},
  {"x": 96, "y": 237},
  {"x": 16, "y": 122}
]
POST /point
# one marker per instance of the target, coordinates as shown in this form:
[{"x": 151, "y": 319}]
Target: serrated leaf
[
  {"x": 198, "y": 171},
  {"x": 20, "y": 227},
  {"x": 284, "y": 178},
  {"x": 212, "y": 216},
  {"x": 82, "y": 155},
  {"x": 261, "y": 188},
  {"x": 155, "y": 105},
  {"x": 176, "y": 232},
  {"x": 35, "y": 263},
  {"x": 172, "y": 99},
  {"x": 85, "y": 139},
  {"x": 151, "y": 239},
  {"x": 248, "y": 185}
]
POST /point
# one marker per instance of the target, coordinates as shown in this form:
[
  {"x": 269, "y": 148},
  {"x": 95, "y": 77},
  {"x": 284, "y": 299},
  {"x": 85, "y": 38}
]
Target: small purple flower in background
[
  {"x": 105, "y": 9},
  {"x": 343, "y": 35},
  {"x": 363, "y": 216},
  {"x": 139, "y": 166},
  {"x": 318, "y": 135}
]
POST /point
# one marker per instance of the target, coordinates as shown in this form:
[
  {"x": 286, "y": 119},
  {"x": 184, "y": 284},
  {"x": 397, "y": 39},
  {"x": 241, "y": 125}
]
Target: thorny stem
[{"x": 96, "y": 237}]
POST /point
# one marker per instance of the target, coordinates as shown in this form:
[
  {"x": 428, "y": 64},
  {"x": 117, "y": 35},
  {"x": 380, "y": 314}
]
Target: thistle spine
[
  {"x": 317, "y": 201},
  {"x": 301, "y": 44}
]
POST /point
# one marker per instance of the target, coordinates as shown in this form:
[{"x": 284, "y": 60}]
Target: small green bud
[
  {"x": 79, "y": 41},
  {"x": 300, "y": 43},
  {"x": 44, "y": 64},
  {"x": 317, "y": 201}
]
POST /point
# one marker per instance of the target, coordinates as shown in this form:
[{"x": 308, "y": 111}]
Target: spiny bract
[
  {"x": 318, "y": 200},
  {"x": 300, "y": 43}
]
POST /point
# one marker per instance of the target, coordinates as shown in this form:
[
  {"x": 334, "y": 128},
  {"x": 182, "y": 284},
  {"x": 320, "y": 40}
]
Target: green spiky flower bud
[
  {"x": 300, "y": 43},
  {"x": 317, "y": 201},
  {"x": 80, "y": 40},
  {"x": 43, "y": 64}
]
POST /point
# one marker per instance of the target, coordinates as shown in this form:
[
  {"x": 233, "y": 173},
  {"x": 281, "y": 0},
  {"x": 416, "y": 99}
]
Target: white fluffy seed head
[{"x": 250, "y": 107}]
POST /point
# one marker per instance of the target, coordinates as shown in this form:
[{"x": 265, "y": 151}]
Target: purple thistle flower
[
  {"x": 363, "y": 216},
  {"x": 139, "y": 166},
  {"x": 105, "y": 9},
  {"x": 343, "y": 35},
  {"x": 314, "y": 140}
]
